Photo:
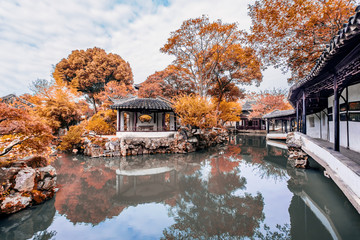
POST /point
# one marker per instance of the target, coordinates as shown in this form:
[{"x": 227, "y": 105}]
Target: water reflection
[
  {"x": 243, "y": 190},
  {"x": 31, "y": 222}
]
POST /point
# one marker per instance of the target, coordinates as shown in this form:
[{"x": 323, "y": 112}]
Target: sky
[{"x": 36, "y": 35}]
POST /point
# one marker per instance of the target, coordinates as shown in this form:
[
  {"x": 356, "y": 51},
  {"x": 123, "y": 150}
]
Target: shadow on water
[{"x": 208, "y": 195}]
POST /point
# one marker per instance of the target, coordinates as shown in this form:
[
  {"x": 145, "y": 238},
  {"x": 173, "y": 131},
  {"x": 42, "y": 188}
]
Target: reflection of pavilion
[{"x": 145, "y": 185}]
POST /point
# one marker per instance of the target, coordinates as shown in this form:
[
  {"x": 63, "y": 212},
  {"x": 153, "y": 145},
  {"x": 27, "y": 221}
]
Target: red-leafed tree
[{"x": 269, "y": 101}]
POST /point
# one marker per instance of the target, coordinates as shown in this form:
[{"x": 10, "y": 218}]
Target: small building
[
  {"x": 280, "y": 121},
  {"x": 247, "y": 123},
  {"x": 144, "y": 117}
]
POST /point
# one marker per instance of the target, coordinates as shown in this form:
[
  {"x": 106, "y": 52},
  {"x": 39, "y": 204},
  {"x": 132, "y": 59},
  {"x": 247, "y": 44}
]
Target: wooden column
[
  {"x": 267, "y": 125},
  {"x": 304, "y": 113},
  {"x": 135, "y": 121},
  {"x": 163, "y": 121},
  {"x": 297, "y": 117},
  {"x": 336, "y": 116},
  {"x": 117, "y": 120},
  {"x": 285, "y": 126}
]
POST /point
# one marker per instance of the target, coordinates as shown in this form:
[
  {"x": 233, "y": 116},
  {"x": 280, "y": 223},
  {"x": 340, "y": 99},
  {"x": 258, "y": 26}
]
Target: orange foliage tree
[
  {"x": 269, "y": 101},
  {"x": 89, "y": 71},
  {"x": 292, "y": 34},
  {"x": 103, "y": 122},
  {"x": 22, "y": 134},
  {"x": 167, "y": 83},
  {"x": 113, "y": 89},
  {"x": 55, "y": 104},
  {"x": 203, "y": 113},
  {"x": 195, "y": 111},
  {"x": 211, "y": 52}
]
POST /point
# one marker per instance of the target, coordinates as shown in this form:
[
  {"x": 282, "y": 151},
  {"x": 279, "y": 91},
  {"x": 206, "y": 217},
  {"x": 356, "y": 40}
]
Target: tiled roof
[
  {"x": 248, "y": 105},
  {"x": 349, "y": 34},
  {"x": 135, "y": 103},
  {"x": 16, "y": 101},
  {"x": 278, "y": 113}
]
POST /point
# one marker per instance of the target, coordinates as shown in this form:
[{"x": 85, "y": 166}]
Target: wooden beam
[{"x": 304, "y": 113}]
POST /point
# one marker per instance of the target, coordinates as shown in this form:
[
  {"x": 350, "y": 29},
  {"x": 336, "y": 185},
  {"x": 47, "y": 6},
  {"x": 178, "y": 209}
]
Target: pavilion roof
[
  {"x": 135, "y": 103},
  {"x": 339, "y": 47},
  {"x": 279, "y": 113},
  {"x": 248, "y": 105}
]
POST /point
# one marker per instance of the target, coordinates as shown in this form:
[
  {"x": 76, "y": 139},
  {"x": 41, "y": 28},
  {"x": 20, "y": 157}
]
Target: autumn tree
[
  {"x": 228, "y": 112},
  {"x": 168, "y": 83},
  {"x": 89, "y": 71},
  {"x": 195, "y": 111},
  {"x": 210, "y": 52},
  {"x": 113, "y": 90},
  {"x": 22, "y": 134},
  {"x": 103, "y": 122},
  {"x": 55, "y": 104},
  {"x": 291, "y": 34},
  {"x": 204, "y": 113},
  {"x": 268, "y": 101}
]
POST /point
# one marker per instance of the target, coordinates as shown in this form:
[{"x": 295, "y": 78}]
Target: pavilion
[{"x": 144, "y": 117}]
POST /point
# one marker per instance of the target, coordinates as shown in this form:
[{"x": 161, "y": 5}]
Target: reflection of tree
[
  {"x": 30, "y": 221},
  {"x": 86, "y": 190},
  {"x": 283, "y": 233},
  {"x": 210, "y": 209},
  {"x": 263, "y": 158}
]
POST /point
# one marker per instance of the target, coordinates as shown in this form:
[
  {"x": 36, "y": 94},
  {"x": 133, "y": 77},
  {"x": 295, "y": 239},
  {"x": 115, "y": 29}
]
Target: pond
[{"x": 244, "y": 190}]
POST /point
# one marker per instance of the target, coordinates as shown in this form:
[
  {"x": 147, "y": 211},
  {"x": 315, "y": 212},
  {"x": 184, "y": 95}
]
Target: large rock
[
  {"x": 14, "y": 203},
  {"x": 25, "y": 180}
]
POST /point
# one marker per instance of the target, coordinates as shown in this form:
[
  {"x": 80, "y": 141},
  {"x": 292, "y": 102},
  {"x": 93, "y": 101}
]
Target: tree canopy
[
  {"x": 268, "y": 101},
  {"x": 168, "y": 83},
  {"x": 210, "y": 52},
  {"x": 89, "y": 71},
  {"x": 291, "y": 34}
]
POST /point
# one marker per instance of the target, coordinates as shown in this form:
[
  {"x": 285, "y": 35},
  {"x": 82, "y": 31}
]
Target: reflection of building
[
  {"x": 247, "y": 123},
  {"x": 145, "y": 185},
  {"x": 313, "y": 202},
  {"x": 144, "y": 117}
]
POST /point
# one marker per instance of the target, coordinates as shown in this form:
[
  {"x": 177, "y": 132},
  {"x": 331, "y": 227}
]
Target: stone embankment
[
  {"x": 183, "y": 142},
  {"x": 296, "y": 156},
  {"x": 25, "y": 183}
]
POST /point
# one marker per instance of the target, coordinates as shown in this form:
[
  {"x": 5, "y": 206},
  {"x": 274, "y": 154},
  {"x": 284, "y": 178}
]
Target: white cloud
[{"x": 34, "y": 35}]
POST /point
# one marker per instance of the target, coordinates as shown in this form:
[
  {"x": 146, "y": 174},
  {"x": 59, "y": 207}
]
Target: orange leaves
[
  {"x": 22, "y": 134},
  {"x": 103, "y": 123},
  {"x": 167, "y": 83},
  {"x": 292, "y": 34},
  {"x": 195, "y": 111},
  {"x": 89, "y": 71},
  {"x": 207, "y": 52},
  {"x": 267, "y": 102},
  {"x": 204, "y": 113}
]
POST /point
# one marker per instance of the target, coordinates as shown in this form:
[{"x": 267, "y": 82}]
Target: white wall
[{"x": 354, "y": 127}]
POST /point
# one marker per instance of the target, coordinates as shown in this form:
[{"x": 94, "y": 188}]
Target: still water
[{"x": 245, "y": 190}]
